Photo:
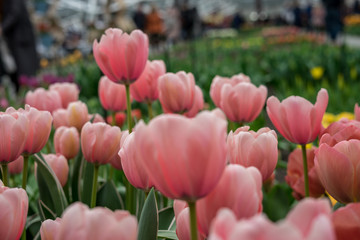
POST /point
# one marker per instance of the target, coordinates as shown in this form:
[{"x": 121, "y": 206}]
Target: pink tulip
[
  {"x": 44, "y": 100},
  {"x": 81, "y": 223},
  {"x": 185, "y": 158},
  {"x": 145, "y": 89},
  {"x": 296, "y": 118},
  {"x": 357, "y": 112},
  {"x": 122, "y": 57},
  {"x": 295, "y": 174},
  {"x": 14, "y": 205},
  {"x": 14, "y": 128},
  {"x": 60, "y": 117},
  {"x": 112, "y": 95},
  {"x": 132, "y": 164},
  {"x": 239, "y": 189},
  {"x": 343, "y": 129},
  {"x": 96, "y": 118},
  {"x": 218, "y": 82},
  {"x": 116, "y": 161},
  {"x": 176, "y": 92},
  {"x": 67, "y": 142},
  {"x": 95, "y": 138},
  {"x": 346, "y": 221},
  {"x": 69, "y": 92},
  {"x": 338, "y": 169},
  {"x": 4, "y": 103},
  {"x": 242, "y": 102},
  {"x": 77, "y": 114},
  {"x": 198, "y": 103},
  {"x": 258, "y": 149},
  {"x": 59, "y": 164},
  {"x": 16, "y": 167}
]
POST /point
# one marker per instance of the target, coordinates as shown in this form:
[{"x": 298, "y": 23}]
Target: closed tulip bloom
[
  {"x": 69, "y": 92},
  {"x": 242, "y": 102},
  {"x": 258, "y": 149},
  {"x": 346, "y": 221},
  {"x": 14, "y": 205},
  {"x": 176, "y": 92},
  {"x": 338, "y": 169},
  {"x": 96, "y": 118},
  {"x": 336, "y": 132},
  {"x": 67, "y": 142},
  {"x": 112, "y": 95},
  {"x": 59, "y": 164},
  {"x": 357, "y": 112},
  {"x": 44, "y": 100},
  {"x": 198, "y": 103},
  {"x": 116, "y": 161},
  {"x": 296, "y": 118},
  {"x": 218, "y": 82},
  {"x": 60, "y": 117},
  {"x": 145, "y": 89},
  {"x": 239, "y": 189},
  {"x": 81, "y": 223},
  {"x": 185, "y": 157},
  {"x": 95, "y": 138},
  {"x": 122, "y": 57},
  {"x": 295, "y": 174},
  {"x": 16, "y": 167},
  {"x": 77, "y": 114}
]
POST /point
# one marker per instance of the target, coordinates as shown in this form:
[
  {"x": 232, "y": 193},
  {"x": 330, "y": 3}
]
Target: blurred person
[
  {"x": 238, "y": 21},
  {"x": 356, "y": 7},
  {"x": 154, "y": 27},
  {"x": 139, "y": 17},
  {"x": 187, "y": 21},
  {"x": 308, "y": 15},
  {"x": 173, "y": 24},
  {"x": 333, "y": 18},
  {"x": 17, "y": 30},
  {"x": 297, "y": 14}
]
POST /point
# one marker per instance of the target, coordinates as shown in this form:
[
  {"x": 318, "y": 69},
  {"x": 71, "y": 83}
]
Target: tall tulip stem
[
  {"x": 128, "y": 104},
  {"x": 113, "y": 119},
  {"x": 25, "y": 171},
  {"x": 150, "y": 111},
  {"x": 306, "y": 176},
  {"x": 193, "y": 223},
  {"x": 5, "y": 174},
  {"x": 94, "y": 186}
]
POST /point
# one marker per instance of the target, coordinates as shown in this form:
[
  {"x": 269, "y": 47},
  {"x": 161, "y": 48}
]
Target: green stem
[
  {"x": 129, "y": 201},
  {"x": 94, "y": 186},
  {"x": 23, "y": 236},
  {"x": 193, "y": 224},
  {"x": 113, "y": 123},
  {"x": 128, "y": 104},
  {"x": 306, "y": 176},
  {"x": 146, "y": 194},
  {"x": 25, "y": 171},
  {"x": 5, "y": 174},
  {"x": 111, "y": 173},
  {"x": 150, "y": 111}
]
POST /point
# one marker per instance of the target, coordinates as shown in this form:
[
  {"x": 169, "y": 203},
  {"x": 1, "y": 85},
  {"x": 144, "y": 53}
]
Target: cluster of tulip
[{"x": 215, "y": 177}]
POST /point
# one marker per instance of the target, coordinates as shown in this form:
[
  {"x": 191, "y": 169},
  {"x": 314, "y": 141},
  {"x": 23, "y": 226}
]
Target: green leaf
[
  {"x": 338, "y": 205},
  {"x": 149, "y": 220},
  {"x": 109, "y": 197},
  {"x": 167, "y": 219},
  {"x": 45, "y": 212},
  {"x": 51, "y": 192},
  {"x": 167, "y": 234},
  {"x": 33, "y": 224},
  {"x": 75, "y": 177},
  {"x": 87, "y": 174}
]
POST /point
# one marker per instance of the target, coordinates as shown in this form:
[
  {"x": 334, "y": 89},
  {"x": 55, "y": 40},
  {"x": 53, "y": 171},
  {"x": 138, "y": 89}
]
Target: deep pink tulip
[
  {"x": 77, "y": 114},
  {"x": 357, "y": 112},
  {"x": 44, "y": 100},
  {"x": 14, "y": 205},
  {"x": 177, "y": 92},
  {"x": 198, "y": 103},
  {"x": 60, "y": 117},
  {"x": 69, "y": 92},
  {"x": 296, "y": 118},
  {"x": 14, "y": 128},
  {"x": 258, "y": 149},
  {"x": 81, "y": 223},
  {"x": 346, "y": 221},
  {"x": 242, "y": 102},
  {"x": 95, "y": 138},
  {"x": 16, "y": 167},
  {"x": 122, "y": 57},
  {"x": 239, "y": 189},
  {"x": 145, "y": 89},
  {"x": 59, "y": 164},
  {"x": 295, "y": 174},
  {"x": 338, "y": 168},
  {"x": 218, "y": 82},
  {"x": 343, "y": 129},
  {"x": 185, "y": 157},
  {"x": 112, "y": 95},
  {"x": 132, "y": 164},
  {"x": 67, "y": 142}
]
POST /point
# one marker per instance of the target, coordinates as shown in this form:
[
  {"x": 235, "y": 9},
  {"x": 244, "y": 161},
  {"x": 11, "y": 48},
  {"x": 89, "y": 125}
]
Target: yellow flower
[
  {"x": 308, "y": 146},
  {"x": 63, "y": 62},
  {"x": 328, "y": 118},
  {"x": 44, "y": 62},
  {"x": 347, "y": 115},
  {"x": 341, "y": 82},
  {"x": 317, "y": 72}
]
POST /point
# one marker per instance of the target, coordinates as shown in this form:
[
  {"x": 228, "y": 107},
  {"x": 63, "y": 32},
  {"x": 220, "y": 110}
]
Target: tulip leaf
[
  {"x": 87, "y": 174},
  {"x": 33, "y": 224},
  {"x": 75, "y": 177},
  {"x": 109, "y": 197},
  {"x": 50, "y": 190},
  {"x": 45, "y": 212},
  {"x": 338, "y": 205},
  {"x": 149, "y": 219},
  {"x": 167, "y": 234},
  {"x": 167, "y": 219}
]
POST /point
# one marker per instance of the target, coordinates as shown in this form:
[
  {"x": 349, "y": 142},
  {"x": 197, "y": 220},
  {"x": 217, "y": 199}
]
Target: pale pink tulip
[
  {"x": 116, "y": 161},
  {"x": 145, "y": 89},
  {"x": 67, "y": 142},
  {"x": 77, "y": 114},
  {"x": 296, "y": 118},
  {"x": 69, "y": 92},
  {"x": 44, "y": 100},
  {"x": 81, "y": 223},
  {"x": 122, "y": 57},
  {"x": 357, "y": 112},
  {"x": 16, "y": 167},
  {"x": 185, "y": 157},
  {"x": 60, "y": 117},
  {"x": 343, "y": 129},
  {"x": 338, "y": 168},
  {"x": 112, "y": 95},
  {"x": 100, "y": 142},
  {"x": 346, "y": 221},
  {"x": 198, "y": 103},
  {"x": 295, "y": 174},
  {"x": 258, "y": 149},
  {"x": 59, "y": 164},
  {"x": 14, "y": 205},
  {"x": 96, "y": 118},
  {"x": 177, "y": 92}
]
